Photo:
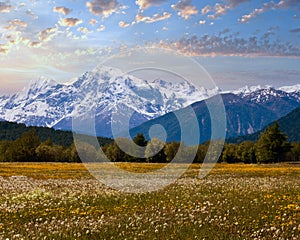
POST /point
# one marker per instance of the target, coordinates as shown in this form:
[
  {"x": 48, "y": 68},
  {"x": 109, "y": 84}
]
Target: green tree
[
  {"x": 87, "y": 152},
  {"x": 201, "y": 153},
  {"x": 4, "y": 146},
  {"x": 295, "y": 152},
  {"x": 229, "y": 153},
  {"x": 73, "y": 154},
  {"x": 140, "y": 140},
  {"x": 171, "y": 150},
  {"x": 112, "y": 152},
  {"x": 154, "y": 151},
  {"x": 47, "y": 152},
  {"x": 246, "y": 152},
  {"x": 272, "y": 145},
  {"x": 23, "y": 149}
]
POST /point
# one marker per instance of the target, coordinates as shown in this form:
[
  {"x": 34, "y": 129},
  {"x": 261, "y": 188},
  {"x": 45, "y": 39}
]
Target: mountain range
[
  {"x": 244, "y": 113},
  {"x": 107, "y": 90},
  {"x": 104, "y": 90}
]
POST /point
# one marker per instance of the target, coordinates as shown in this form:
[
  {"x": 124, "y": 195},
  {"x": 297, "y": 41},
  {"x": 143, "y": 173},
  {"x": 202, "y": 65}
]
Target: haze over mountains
[{"x": 106, "y": 90}]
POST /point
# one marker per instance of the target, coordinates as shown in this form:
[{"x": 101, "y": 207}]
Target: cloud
[
  {"x": 17, "y": 23},
  {"x": 123, "y": 24},
  {"x": 288, "y": 3},
  {"x": 70, "y": 22},
  {"x": 155, "y": 18},
  {"x": 31, "y": 14},
  {"x": 34, "y": 44},
  {"x": 235, "y": 3},
  {"x": 185, "y": 9},
  {"x": 232, "y": 45},
  {"x": 62, "y": 10},
  {"x": 283, "y": 4},
  {"x": 220, "y": 9},
  {"x": 295, "y": 30},
  {"x": 84, "y": 30},
  {"x": 100, "y": 28},
  {"x": 143, "y": 4},
  {"x": 5, "y": 7},
  {"x": 47, "y": 34},
  {"x": 207, "y": 9},
  {"x": 265, "y": 7},
  {"x": 3, "y": 49},
  {"x": 93, "y": 22},
  {"x": 104, "y": 8}
]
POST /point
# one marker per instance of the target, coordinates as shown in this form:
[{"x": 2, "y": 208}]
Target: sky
[{"x": 238, "y": 42}]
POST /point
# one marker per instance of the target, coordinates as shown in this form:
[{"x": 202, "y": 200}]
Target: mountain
[
  {"x": 104, "y": 90},
  {"x": 277, "y": 100},
  {"x": 114, "y": 95},
  {"x": 289, "y": 124},
  {"x": 247, "y": 111}
]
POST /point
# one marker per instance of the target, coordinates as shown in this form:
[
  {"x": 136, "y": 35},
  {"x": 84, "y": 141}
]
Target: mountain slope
[
  {"x": 245, "y": 115},
  {"x": 289, "y": 124}
]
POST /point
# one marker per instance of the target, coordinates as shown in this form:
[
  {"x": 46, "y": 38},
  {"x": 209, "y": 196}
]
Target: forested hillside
[{"x": 12, "y": 131}]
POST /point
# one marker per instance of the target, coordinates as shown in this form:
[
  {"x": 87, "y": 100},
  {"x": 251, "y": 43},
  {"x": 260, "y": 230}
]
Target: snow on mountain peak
[
  {"x": 290, "y": 89},
  {"x": 47, "y": 103},
  {"x": 106, "y": 73},
  {"x": 249, "y": 89},
  {"x": 37, "y": 86}
]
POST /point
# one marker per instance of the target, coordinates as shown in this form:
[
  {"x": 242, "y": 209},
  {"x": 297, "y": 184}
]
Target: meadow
[{"x": 63, "y": 201}]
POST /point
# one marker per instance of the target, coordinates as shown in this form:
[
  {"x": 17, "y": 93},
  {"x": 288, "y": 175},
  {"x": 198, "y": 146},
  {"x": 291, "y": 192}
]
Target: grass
[{"x": 63, "y": 201}]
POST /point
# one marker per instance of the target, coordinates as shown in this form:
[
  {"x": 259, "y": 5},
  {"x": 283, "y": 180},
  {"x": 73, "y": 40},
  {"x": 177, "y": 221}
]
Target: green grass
[{"x": 63, "y": 201}]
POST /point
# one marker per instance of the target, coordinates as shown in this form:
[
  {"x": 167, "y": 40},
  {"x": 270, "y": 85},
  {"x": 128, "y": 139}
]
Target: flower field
[{"x": 63, "y": 201}]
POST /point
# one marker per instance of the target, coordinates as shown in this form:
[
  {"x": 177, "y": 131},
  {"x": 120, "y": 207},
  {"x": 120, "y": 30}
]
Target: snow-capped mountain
[
  {"x": 266, "y": 91},
  {"x": 103, "y": 90},
  {"x": 248, "y": 110},
  {"x": 107, "y": 90},
  {"x": 281, "y": 101},
  {"x": 291, "y": 89}
]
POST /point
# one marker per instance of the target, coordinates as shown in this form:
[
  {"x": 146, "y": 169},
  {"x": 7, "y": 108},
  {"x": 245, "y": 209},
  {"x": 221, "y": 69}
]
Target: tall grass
[{"x": 62, "y": 201}]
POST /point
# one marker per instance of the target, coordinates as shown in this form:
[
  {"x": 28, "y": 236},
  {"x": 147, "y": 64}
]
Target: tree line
[{"x": 271, "y": 147}]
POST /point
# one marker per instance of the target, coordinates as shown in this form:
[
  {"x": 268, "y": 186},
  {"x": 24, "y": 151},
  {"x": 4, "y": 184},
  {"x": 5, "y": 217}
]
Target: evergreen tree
[
  {"x": 295, "y": 152},
  {"x": 272, "y": 145},
  {"x": 229, "y": 153},
  {"x": 246, "y": 152},
  {"x": 4, "y": 146},
  {"x": 23, "y": 149}
]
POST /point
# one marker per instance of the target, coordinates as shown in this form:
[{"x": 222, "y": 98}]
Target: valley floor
[{"x": 63, "y": 201}]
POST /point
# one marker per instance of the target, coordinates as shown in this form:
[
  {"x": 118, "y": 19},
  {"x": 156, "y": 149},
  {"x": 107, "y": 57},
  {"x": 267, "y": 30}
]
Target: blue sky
[{"x": 239, "y": 42}]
